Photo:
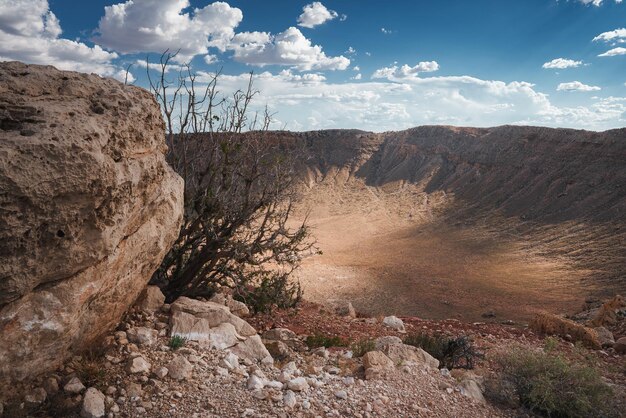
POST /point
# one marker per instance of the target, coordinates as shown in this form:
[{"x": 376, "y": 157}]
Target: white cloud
[
  {"x": 562, "y": 63},
  {"x": 614, "y": 52},
  {"x": 157, "y": 25},
  {"x": 350, "y": 51},
  {"x": 406, "y": 71},
  {"x": 315, "y": 14},
  {"x": 576, "y": 86},
  {"x": 155, "y": 66},
  {"x": 210, "y": 59},
  {"x": 289, "y": 48},
  {"x": 30, "y": 32},
  {"x": 614, "y": 35},
  {"x": 357, "y": 77},
  {"x": 596, "y": 2},
  {"x": 309, "y": 101},
  {"x": 386, "y": 31}
]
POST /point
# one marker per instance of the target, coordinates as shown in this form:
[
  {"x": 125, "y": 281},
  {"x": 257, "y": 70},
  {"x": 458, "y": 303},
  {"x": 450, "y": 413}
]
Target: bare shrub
[{"x": 238, "y": 194}]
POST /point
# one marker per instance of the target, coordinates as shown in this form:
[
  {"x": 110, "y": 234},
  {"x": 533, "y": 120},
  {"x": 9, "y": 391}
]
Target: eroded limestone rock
[{"x": 88, "y": 209}]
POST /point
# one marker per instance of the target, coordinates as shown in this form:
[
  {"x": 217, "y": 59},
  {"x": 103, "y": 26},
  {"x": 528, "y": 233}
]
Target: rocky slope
[
  {"x": 509, "y": 214},
  {"x": 88, "y": 208}
]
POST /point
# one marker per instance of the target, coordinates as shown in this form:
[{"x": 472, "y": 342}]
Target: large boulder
[
  {"x": 88, "y": 209},
  {"x": 193, "y": 319}
]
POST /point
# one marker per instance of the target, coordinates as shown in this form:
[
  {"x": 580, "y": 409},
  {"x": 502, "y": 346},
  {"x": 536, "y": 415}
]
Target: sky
[{"x": 369, "y": 64}]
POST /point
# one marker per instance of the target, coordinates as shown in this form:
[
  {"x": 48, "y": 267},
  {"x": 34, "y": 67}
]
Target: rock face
[{"x": 88, "y": 209}]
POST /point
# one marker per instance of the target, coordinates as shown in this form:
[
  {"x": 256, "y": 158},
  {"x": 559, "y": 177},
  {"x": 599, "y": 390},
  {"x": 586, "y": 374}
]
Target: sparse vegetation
[
  {"x": 362, "y": 346},
  {"x": 452, "y": 353},
  {"x": 550, "y": 385},
  {"x": 238, "y": 194},
  {"x": 177, "y": 342},
  {"x": 320, "y": 340}
]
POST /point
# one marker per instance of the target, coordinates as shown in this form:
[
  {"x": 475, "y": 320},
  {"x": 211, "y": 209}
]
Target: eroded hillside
[{"x": 442, "y": 221}]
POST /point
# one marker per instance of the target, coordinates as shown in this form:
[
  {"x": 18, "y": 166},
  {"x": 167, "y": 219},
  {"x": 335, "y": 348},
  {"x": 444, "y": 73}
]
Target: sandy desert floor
[{"x": 393, "y": 254}]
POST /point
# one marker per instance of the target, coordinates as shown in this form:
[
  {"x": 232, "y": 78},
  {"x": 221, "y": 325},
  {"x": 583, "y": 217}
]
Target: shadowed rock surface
[{"x": 88, "y": 208}]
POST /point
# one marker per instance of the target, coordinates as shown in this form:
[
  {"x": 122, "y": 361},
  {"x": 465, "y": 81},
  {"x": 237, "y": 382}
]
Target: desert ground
[{"x": 396, "y": 252}]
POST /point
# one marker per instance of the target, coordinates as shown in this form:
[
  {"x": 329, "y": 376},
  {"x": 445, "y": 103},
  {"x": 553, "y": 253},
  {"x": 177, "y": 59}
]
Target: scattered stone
[
  {"x": 298, "y": 384},
  {"x": 289, "y": 399},
  {"x": 376, "y": 364},
  {"x": 346, "y": 309},
  {"x": 143, "y": 336},
  {"x": 470, "y": 388},
  {"x": 253, "y": 349},
  {"x": 179, "y": 368},
  {"x": 341, "y": 394},
  {"x": 51, "y": 385},
  {"x": 93, "y": 404},
  {"x": 605, "y": 337},
  {"x": 151, "y": 299},
  {"x": 394, "y": 322},
  {"x": 255, "y": 383},
  {"x": 134, "y": 390},
  {"x": 138, "y": 365},
  {"x": 161, "y": 372},
  {"x": 74, "y": 386},
  {"x": 230, "y": 362},
  {"x": 36, "y": 397}
]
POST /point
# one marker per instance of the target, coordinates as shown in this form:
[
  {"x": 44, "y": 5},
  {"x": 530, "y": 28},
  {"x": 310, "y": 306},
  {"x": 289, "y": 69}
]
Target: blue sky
[{"x": 374, "y": 65}]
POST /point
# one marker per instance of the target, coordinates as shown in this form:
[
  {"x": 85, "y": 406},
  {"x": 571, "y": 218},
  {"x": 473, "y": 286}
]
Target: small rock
[
  {"x": 151, "y": 299},
  {"x": 298, "y": 384},
  {"x": 255, "y": 383},
  {"x": 394, "y": 322},
  {"x": 93, "y": 404},
  {"x": 36, "y": 397},
  {"x": 346, "y": 309},
  {"x": 605, "y": 337},
  {"x": 161, "y": 372},
  {"x": 143, "y": 336},
  {"x": 489, "y": 314},
  {"x": 179, "y": 368},
  {"x": 134, "y": 390},
  {"x": 290, "y": 399},
  {"x": 138, "y": 365},
  {"x": 230, "y": 362},
  {"x": 341, "y": 394},
  {"x": 74, "y": 386},
  {"x": 51, "y": 385}
]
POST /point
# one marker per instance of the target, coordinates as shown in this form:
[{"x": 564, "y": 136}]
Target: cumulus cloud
[
  {"x": 453, "y": 100},
  {"x": 289, "y": 48},
  {"x": 614, "y": 52},
  {"x": 617, "y": 35},
  {"x": 157, "y": 25},
  {"x": 315, "y": 14},
  {"x": 561, "y": 63},
  {"x": 406, "y": 71},
  {"x": 576, "y": 86},
  {"x": 30, "y": 32}
]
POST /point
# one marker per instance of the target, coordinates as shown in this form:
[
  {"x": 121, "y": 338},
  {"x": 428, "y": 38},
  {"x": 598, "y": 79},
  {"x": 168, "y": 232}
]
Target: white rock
[
  {"x": 298, "y": 384},
  {"x": 179, "y": 368},
  {"x": 93, "y": 404},
  {"x": 161, "y": 372},
  {"x": 138, "y": 365},
  {"x": 274, "y": 385},
  {"x": 255, "y": 383},
  {"x": 348, "y": 381},
  {"x": 142, "y": 336},
  {"x": 74, "y": 386},
  {"x": 341, "y": 394},
  {"x": 230, "y": 362},
  {"x": 394, "y": 323},
  {"x": 290, "y": 399}
]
